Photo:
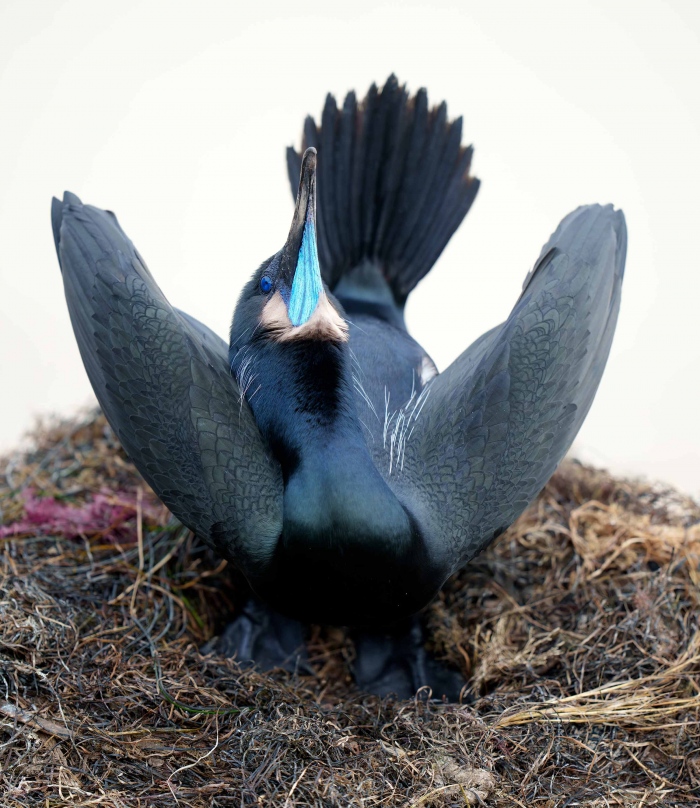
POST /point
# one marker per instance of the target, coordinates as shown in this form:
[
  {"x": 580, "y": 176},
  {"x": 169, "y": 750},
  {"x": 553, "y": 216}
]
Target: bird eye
[{"x": 265, "y": 283}]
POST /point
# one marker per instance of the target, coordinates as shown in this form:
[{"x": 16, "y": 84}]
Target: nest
[{"x": 577, "y": 630}]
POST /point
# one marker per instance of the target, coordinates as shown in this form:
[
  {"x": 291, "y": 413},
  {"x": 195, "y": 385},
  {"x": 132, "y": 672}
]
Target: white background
[{"x": 176, "y": 115}]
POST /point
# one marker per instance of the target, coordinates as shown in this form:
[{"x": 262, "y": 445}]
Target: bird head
[{"x": 286, "y": 299}]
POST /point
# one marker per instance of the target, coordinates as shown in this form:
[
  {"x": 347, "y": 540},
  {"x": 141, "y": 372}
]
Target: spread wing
[
  {"x": 162, "y": 380},
  {"x": 485, "y": 436}
]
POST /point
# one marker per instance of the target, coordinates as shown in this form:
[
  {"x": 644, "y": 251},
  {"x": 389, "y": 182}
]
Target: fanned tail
[{"x": 393, "y": 184}]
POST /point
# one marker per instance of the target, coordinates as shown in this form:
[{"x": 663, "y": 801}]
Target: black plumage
[{"x": 320, "y": 451}]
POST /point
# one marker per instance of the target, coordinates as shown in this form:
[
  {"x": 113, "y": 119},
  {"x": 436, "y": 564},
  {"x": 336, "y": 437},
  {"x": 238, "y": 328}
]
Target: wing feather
[
  {"x": 162, "y": 380},
  {"x": 499, "y": 420}
]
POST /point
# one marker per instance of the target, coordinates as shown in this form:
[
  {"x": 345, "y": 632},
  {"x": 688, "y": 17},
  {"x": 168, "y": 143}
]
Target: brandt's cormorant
[{"x": 321, "y": 452}]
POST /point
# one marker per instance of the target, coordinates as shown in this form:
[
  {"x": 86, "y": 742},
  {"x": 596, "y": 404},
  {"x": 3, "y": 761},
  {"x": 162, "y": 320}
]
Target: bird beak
[{"x": 299, "y": 262}]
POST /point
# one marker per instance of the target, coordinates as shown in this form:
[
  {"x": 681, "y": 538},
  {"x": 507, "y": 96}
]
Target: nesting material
[{"x": 578, "y": 631}]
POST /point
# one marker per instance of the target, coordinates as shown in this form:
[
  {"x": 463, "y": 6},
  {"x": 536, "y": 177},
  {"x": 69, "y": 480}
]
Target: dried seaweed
[{"x": 578, "y": 632}]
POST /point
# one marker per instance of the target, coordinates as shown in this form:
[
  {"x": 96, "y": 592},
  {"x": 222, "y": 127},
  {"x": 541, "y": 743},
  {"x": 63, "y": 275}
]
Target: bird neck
[{"x": 300, "y": 392}]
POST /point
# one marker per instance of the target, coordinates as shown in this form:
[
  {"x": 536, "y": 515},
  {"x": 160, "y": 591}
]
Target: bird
[{"x": 321, "y": 452}]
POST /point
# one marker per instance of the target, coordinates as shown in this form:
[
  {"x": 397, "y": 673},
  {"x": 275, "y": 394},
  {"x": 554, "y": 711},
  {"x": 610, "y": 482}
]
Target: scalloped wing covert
[
  {"x": 494, "y": 426},
  {"x": 162, "y": 380}
]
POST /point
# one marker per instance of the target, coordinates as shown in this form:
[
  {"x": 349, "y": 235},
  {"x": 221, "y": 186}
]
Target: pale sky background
[{"x": 176, "y": 116}]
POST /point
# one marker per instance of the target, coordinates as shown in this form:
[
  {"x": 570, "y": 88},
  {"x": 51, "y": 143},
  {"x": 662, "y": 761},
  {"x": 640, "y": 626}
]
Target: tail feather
[{"x": 393, "y": 183}]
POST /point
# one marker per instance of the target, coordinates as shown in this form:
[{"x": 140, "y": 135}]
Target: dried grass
[{"x": 578, "y": 631}]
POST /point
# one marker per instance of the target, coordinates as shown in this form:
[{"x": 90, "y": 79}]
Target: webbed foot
[
  {"x": 396, "y": 662},
  {"x": 265, "y": 639}
]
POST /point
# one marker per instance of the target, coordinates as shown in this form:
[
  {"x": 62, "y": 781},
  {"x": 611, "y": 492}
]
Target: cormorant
[{"x": 321, "y": 452}]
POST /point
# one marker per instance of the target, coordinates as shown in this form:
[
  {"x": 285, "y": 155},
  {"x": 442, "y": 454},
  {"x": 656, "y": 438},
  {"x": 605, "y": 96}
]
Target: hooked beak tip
[{"x": 308, "y": 161}]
